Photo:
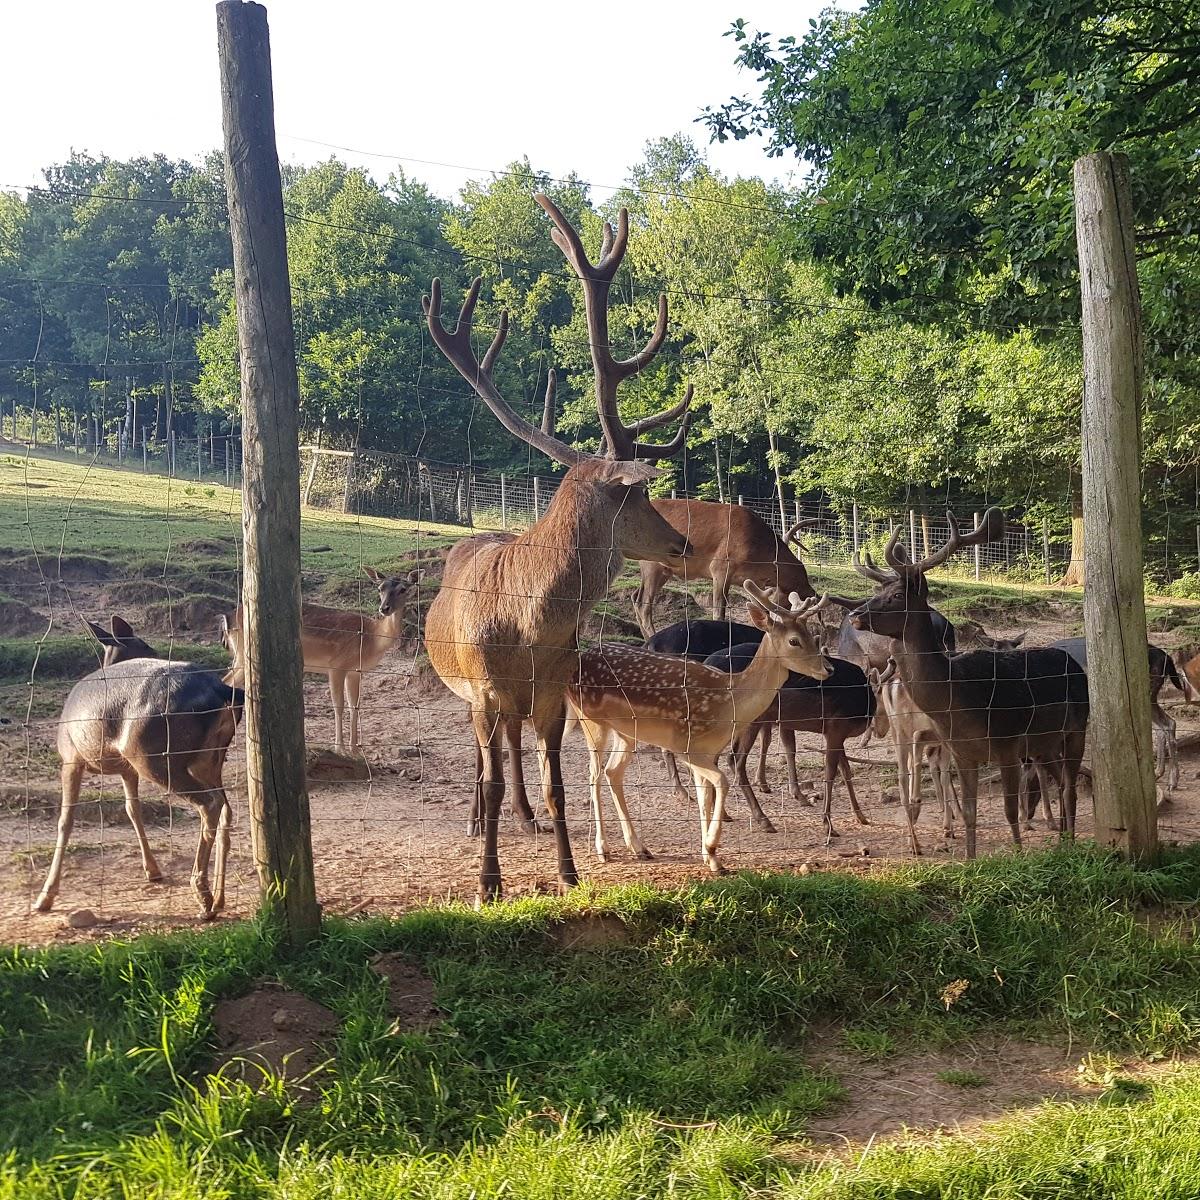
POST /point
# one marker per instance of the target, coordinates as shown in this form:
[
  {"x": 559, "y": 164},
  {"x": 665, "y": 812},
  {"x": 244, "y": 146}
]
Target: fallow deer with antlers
[
  {"x": 988, "y": 706},
  {"x": 627, "y": 694},
  {"x": 502, "y": 631}
]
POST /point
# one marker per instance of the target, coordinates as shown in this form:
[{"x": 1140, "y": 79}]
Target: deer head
[
  {"x": 395, "y": 591},
  {"x": 119, "y": 641},
  {"x": 788, "y": 635},
  {"x": 621, "y": 441},
  {"x": 904, "y": 589}
]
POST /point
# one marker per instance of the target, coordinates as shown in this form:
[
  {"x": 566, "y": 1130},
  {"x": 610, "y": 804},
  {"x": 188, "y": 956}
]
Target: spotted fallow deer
[
  {"x": 728, "y": 542},
  {"x": 342, "y": 644},
  {"x": 168, "y": 723},
  {"x": 502, "y": 631},
  {"x": 627, "y": 694}
]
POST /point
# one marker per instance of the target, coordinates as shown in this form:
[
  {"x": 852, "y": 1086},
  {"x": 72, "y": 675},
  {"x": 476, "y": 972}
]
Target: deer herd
[{"x": 502, "y": 634}]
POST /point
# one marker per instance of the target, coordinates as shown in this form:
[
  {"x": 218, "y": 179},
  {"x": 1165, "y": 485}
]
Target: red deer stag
[
  {"x": 988, "y": 706},
  {"x": 728, "y": 542},
  {"x": 502, "y": 631}
]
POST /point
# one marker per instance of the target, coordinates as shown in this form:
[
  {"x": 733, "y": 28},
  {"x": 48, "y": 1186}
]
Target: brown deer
[
  {"x": 169, "y": 723},
  {"x": 502, "y": 631},
  {"x": 627, "y": 694},
  {"x": 1005, "y": 707},
  {"x": 343, "y": 645},
  {"x": 728, "y": 542}
]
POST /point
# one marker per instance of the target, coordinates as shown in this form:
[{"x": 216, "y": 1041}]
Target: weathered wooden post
[
  {"x": 854, "y": 525},
  {"x": 279, "y": 817},
  {"x": 537, "y": 499},
  {"x": 1046, "y": 548},
  {"x": 1114, "y": 611},
  {"x": 503, "y": 502}
]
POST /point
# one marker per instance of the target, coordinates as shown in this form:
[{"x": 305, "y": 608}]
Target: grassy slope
[{"x": 571, "y": 1074}]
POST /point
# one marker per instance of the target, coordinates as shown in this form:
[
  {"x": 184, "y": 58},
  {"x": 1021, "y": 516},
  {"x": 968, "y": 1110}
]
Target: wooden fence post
[
  {"x": 503, "y": 502},
  {"x": 1046, "y": 548},
  {"x": 1114, "y": 611},
  {"x": 854, "y": 525},
  {"x": 279, "y": 816}
]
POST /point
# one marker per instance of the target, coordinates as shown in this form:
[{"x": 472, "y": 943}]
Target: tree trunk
[{"x": 1073, "y": 576}]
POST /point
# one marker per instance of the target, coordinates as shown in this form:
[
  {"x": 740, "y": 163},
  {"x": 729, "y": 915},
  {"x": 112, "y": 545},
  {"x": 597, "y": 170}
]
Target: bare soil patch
[
  {"x": 18, "y": 619},
  {"x": 411, "y": 996},
  {"x": 590, "y": 931},
  {"x": 275, "y": 1027}
]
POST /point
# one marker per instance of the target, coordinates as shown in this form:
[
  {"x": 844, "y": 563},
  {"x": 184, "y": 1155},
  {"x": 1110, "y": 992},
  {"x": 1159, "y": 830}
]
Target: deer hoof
[
  {"x": 644, "y": 855},
  {"x": 764, "y": 786},
  {"x": 44, "y": 904},
  {"x": 765, "y": 822},
  {"x": 715, "y": 867},
  {"x": 154, "y": 876},
  {"x": 533, "y": 828}
]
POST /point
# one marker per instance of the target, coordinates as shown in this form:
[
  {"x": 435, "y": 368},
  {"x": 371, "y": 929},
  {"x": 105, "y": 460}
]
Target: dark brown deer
[
  {"x": 1003, "y": 707},
  {"x": 168, "y": 723},
  {"x": 502, "y": 631},
  {"x": 728, "y": 542}
]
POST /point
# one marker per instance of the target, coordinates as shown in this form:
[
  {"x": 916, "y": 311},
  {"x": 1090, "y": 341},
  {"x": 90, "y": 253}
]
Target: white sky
[{"x": 575, "y": 86}]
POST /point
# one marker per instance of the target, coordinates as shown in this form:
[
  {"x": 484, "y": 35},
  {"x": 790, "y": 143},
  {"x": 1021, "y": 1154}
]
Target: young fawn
[
  {"x": 342, "y": 644},
  {"x": 626, "y": 694},
  {"x": 168, "y": 723}
]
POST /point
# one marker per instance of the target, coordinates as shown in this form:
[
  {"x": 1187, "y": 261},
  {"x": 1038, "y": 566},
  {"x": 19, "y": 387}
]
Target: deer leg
[
  {"x": 970, "y": 803},
  {"x": 475, "y": 818},
  {"x": 1043, "y": 777},
  {"x": 645, "y": 597},
  {"x": 353, "y": 688},
  {"x": 904, "y": 779},
  {"x": 550, "y": 745},
  {"x": 223, "y": 824},
  {"x": 939, "y": 769},
  {"x": 337, "y": 693},
  {"x": 619, "y": 758},
  {"x": 520, "y": 803},
  {"x": 741, "y": 756},
  {"x": 844, "y": 767},
  {"x": 489, "y": 735},
  {"x": 1031, "y": 793},
  {"x": 788, "y": 738},
  {"x": 133, "y": 809},
  {"x": 72, "y": 777},
  {"x": 1070, "y": 781},
  {"x": 597, "y": 798},
  {"x": 1010, "y": 780},
  {"x": 711, "y": 786},
  {"x": 212, "y": 803},
  {"x": 681, "y": 793},
  {"x": 720, "y": 592},
  {"x": 827, "y": 803},
  {"x": 764, "y": 744}
]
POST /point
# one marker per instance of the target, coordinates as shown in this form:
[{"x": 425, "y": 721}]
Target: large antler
[
  {"x": 456, "y": 346},
  {"x": 620, "y": 440},
  {"x": 792, "y": 534},
  {"x": 869, "y": 570},
  {"x": 989, "y": 529}
]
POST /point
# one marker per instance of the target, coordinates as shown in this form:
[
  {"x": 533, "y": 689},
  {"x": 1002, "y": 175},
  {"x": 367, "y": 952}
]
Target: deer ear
[
  {"x": 631, "y": 474},
  {"x": 1019, "y": 639},
  {"x": 99, "y": 633},
  {"x": 759, "y": 615},
  {"x": 416, "y": 576},
  {"x": 121, "y": 628},
  {"x": 372, "y": 574}
]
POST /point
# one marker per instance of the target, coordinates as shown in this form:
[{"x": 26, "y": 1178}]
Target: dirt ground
[{"x": 398, "y": 838}]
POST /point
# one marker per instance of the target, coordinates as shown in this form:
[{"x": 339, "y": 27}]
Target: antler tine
[
  {"x": 795, "y": 528},
  {"x": 894, "y": 555},
  {"x": 567, "y": 239},
  {"x": 548, "y": 407},
  {"x": 456, "y": 346},
  {"x": 667, "y": 449},
  {"x": 493, "y": 351},
  {"x": 869, "y": 570},
  {"x": 625, "y": 367},
  {"x": 990, "y": 527},
  {"x": 763, "y": 600},
  {"x": 806, "y": 606},
  {"x": 663, "y": 417}
]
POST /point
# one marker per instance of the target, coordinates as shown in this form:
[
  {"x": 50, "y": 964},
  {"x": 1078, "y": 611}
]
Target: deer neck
[
  {"x": 923, "y": 663},
  {"x": 573, "y": 548},
  {"x": 754, "y": 688},
  {"x": 389, "y": 629}
]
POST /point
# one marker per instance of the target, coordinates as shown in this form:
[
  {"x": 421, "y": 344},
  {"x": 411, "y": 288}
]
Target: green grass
[{"x": 671, "y": 1066}]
